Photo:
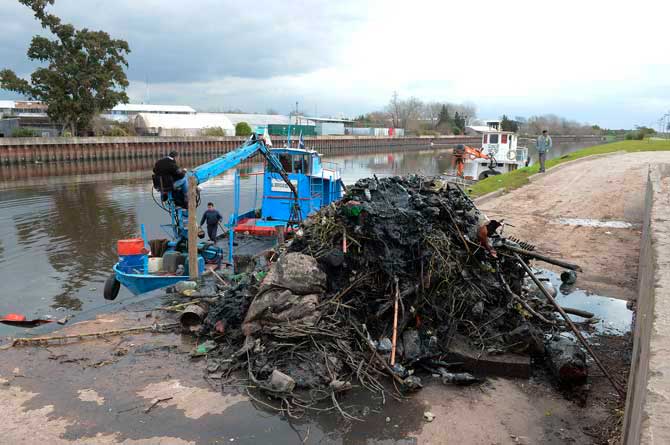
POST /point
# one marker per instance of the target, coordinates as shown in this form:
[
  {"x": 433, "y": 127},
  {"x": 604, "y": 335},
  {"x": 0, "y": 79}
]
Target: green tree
[
  {"x": 214, "y": 131},
  {"x": 242, "y": 129},
  {"x": 444, "y": 118},
  {"x": 84, "y": 71},
  {"x": 459, "y": 123},
  {"x": 507, "y": 124}
]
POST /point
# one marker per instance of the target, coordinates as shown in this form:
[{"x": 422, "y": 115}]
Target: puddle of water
[
  {"x": 614, "y": 317},
  {"x": 596, "y": 223}
]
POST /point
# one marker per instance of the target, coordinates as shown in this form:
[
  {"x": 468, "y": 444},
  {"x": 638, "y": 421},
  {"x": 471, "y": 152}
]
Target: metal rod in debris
[
  {"x": 572, "y": 326},
  {"x": 546, "y": 259}
]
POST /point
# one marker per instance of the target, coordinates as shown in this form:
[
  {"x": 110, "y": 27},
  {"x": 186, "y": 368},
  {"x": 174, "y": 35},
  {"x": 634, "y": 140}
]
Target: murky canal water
[{"x": 59, "y": 223}]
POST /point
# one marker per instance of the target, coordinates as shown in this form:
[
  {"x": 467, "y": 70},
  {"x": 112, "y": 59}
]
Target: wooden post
[
  {"x": 394, "y": 339},
  {"x": 280, "y": 236},
  {"x": 192, "y": 228}
]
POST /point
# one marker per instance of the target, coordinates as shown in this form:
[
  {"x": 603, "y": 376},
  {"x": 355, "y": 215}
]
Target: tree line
[
  {"x": 448, "y": 118},
  {"x": 419, "y": 117}
]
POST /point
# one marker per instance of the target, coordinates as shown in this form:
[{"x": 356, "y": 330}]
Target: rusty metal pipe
[
  {"x": 572, "y": 326},
  {"x": 193, "y": 316}
]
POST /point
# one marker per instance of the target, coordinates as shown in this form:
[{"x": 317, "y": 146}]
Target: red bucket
[{"x": 134, "y": 246}]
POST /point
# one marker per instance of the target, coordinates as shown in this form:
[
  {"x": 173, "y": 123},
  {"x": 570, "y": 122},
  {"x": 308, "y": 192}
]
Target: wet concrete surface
[{"x": 146, "y": 388}]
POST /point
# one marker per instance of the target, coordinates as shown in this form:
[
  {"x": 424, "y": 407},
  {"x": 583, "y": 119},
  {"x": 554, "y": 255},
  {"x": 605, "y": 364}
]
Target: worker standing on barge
[{"x": 213, "y": 218}]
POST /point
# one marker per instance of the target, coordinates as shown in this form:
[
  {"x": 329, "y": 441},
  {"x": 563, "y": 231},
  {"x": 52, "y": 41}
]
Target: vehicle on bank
[{"x": 296, "y": 183}]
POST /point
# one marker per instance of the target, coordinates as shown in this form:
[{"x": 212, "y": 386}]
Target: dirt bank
[{"x": 609, "y": 188}]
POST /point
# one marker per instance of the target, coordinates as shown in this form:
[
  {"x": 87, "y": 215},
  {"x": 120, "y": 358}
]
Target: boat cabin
[
  {"x": 500, "y": 145},
  {"x": 318, "y": 184}
]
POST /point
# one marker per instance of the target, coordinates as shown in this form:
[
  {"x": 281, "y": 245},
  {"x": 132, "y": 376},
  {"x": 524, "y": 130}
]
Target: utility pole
[{"x": 192, "y": 228}]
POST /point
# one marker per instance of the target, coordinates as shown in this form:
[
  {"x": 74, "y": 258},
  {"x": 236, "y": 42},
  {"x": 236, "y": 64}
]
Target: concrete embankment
[
  {"x": 27, "y": 150},
  {"x": 648, "y": 402},
  {"x": 30, "y": 150}
]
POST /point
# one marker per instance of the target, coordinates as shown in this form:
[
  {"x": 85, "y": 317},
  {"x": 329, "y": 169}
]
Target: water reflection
[
  {"x": 59, "y": 223},
  {"x": 79, "y": 230}
]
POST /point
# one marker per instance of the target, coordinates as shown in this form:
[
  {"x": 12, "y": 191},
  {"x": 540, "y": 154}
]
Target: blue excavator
[{"x": 148, "y": 265}]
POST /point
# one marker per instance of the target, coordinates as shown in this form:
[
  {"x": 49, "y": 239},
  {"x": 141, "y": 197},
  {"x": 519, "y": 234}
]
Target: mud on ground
[{"x": 146, "y": 389}]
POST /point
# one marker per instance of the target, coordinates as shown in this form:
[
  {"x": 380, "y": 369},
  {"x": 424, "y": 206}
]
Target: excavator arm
[
  {"x": 473, "y": 153},
  {"x": 463, "y": 152}
]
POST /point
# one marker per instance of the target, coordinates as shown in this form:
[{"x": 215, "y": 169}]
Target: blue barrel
[
  {"x": 201, "y": 265},
  {"x": 132, "y": 264}
]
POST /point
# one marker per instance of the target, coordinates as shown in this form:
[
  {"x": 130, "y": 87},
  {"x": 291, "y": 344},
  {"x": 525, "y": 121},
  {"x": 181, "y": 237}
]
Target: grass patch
[{"x": 519, "y": 177}]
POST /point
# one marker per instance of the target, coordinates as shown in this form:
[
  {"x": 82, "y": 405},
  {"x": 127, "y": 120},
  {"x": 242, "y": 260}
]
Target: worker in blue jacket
[{"x": 212, "y": 217}]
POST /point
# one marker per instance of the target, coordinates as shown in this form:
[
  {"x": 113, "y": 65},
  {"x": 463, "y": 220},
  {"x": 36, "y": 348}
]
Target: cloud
[
  {"x": 205, "y": 39},
  {"x": 596, "y": 61}
]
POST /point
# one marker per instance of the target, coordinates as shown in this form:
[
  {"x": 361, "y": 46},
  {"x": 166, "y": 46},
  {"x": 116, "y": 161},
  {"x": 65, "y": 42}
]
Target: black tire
[
  {"x": 112, "y": 288},
  {"x": 487, "y": 173}
]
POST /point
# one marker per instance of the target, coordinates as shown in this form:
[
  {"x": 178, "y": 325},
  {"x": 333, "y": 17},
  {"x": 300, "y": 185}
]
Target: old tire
[
  {"x": 112, "y": 288},
  {"x": 487, "y": 173}
]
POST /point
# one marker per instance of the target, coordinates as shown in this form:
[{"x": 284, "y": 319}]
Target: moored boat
[{"x": 296, "y": 183}]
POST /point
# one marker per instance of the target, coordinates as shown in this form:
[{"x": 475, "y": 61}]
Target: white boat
[{"x": 501, "y": 150}]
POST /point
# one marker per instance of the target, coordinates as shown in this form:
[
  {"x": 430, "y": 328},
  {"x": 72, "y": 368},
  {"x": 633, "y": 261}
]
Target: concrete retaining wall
[
  {"x": 648, "y": 401},
  {"x": 30, "y": 150}
]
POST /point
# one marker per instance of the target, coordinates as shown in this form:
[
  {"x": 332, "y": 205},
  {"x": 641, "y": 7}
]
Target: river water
[{"x": 59, "y": 223}]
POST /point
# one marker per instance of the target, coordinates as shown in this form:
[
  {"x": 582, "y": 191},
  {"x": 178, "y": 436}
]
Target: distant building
[
  {"x": 174, "y": 125},
  {"x": 127, "y": 112},
  {"x": 20, "y": 108},
  {"x": 265, "y": 120},
  {"x": 376, "y": 132},
  {"x": 29, "y": 114},
  {"x": 329, "y": 128},
  {"x": 258, "y": 121}
]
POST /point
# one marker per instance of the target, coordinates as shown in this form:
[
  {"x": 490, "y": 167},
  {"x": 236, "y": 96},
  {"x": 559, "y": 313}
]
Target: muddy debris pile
[{"x": 382, "y": 284}]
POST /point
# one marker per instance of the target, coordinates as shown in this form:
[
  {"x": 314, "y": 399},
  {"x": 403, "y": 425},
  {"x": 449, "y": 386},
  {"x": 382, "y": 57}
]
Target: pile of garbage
[{"x": 379, "y": 285}]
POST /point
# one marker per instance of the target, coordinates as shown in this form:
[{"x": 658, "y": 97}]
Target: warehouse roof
[
  {"x": 255, "y": 120},
  {"x": 183, "y": 121},
  {"x": 327, "y": 119},
  {"x": 145, "y": 108}
]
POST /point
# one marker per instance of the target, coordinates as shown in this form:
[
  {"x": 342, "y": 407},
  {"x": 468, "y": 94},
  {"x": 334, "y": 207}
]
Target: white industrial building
[
  {"x": 151, "y": 124},
  {"x": 259, "y": 120},
  {"x": 22, "y": 108},
  {"x": 127, "y": 112}
]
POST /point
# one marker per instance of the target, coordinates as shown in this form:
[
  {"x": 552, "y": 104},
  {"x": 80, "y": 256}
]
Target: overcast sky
[{"x": 605, "y": 62}]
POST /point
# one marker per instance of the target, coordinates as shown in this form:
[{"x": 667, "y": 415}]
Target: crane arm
[{"x": 217, "y": 166}]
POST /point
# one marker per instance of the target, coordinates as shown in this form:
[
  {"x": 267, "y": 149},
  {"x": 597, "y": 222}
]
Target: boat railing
[{"x": 332, "y": 166}]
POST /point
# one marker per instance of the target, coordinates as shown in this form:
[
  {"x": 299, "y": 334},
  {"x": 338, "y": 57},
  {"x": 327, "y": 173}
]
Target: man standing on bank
[
  {"x": 543, "y": 145},
  {"x": 213, "y": 217}
]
